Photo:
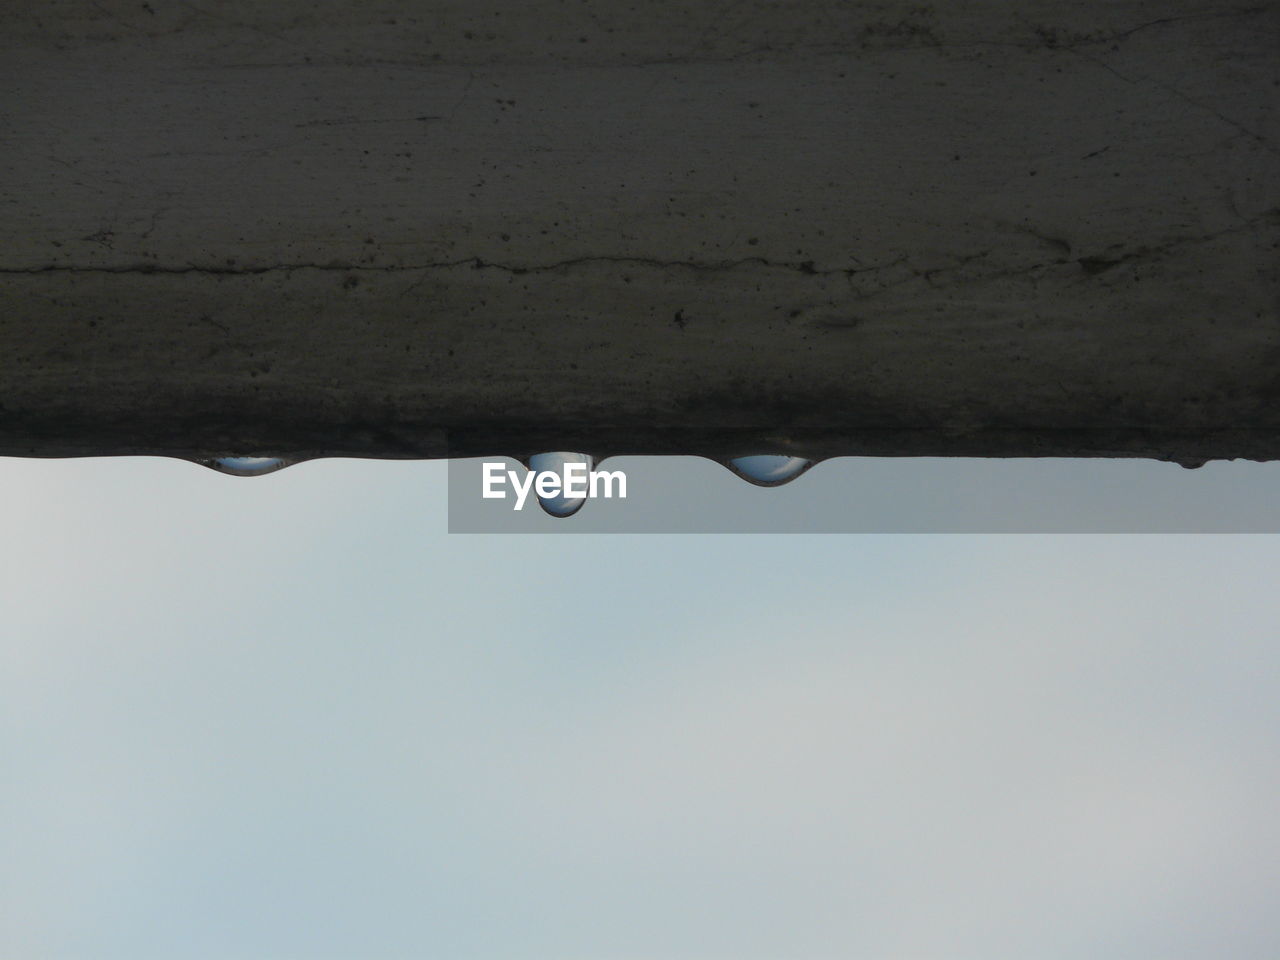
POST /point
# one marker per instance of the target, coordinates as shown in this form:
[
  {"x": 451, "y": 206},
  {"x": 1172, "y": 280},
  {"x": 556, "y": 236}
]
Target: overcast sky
[{"x": 290, "y": 717}]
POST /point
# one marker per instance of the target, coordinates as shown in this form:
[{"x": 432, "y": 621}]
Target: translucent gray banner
[{"x": 890, "y": 495}]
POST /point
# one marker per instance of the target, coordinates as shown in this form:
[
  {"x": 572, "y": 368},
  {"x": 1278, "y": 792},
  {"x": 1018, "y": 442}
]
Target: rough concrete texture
[{"x": 825, "y": 227}]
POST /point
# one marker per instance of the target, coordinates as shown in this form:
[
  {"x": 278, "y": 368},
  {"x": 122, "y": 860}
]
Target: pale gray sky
[{"x": 289, "y": 717}]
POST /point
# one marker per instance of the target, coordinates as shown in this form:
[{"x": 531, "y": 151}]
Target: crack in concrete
[
  {"x": 1091, "y": 264},
  {"x": 1180, "y": 94},
  {"x": 357, "y": 121},
  {"x": 806, "y": 267}
]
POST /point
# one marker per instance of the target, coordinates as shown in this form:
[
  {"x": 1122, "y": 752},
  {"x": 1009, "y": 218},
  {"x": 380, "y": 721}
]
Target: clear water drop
[
  {"x": 769, "y": 470},
  {"x": 559, "y": 505},
  {"x": 246, "y": 466}
]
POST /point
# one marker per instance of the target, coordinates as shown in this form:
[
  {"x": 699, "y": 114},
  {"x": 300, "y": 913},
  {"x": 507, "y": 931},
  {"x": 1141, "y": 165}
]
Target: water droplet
[
  {"x": 769, "y": 470},
  {"x": 560, "y": 505},
  {"x": 246, "y": 466}
]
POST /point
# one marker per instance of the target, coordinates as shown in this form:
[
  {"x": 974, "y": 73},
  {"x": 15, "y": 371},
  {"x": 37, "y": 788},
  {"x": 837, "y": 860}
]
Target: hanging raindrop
[
  {"x": 769, "y": 470},
  {"x": 246, "y": 466},
  {"x": 561, "y": 505}
]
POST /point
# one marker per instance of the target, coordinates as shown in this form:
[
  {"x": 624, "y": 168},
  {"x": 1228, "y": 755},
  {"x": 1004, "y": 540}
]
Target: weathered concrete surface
[{"x": 815, "y": 226}]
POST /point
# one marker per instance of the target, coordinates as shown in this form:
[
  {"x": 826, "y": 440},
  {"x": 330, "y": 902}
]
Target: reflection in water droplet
[
  {"x": 246, "y": 466},
  {"x": 561, "y": 505},
  {"x": 769, "y": 470}
]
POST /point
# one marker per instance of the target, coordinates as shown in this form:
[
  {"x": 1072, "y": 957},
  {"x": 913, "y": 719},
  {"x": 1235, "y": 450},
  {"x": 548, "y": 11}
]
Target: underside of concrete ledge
[{"x": 817, "y": 227}]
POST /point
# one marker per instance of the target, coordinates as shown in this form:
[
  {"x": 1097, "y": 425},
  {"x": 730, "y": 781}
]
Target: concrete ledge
[{"x": 400, "y": 229}]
